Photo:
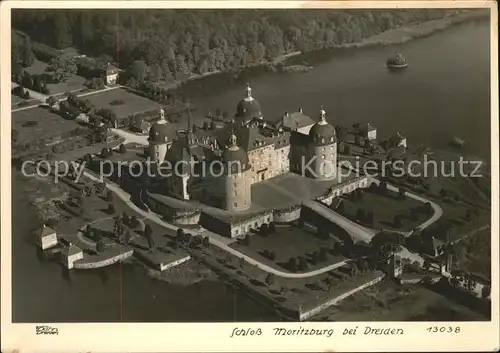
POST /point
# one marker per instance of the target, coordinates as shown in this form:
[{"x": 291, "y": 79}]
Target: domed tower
[
  {"x": 248, "y": 108},
  {"x": 236, "y": 181},
  {"x": 158, "y": 139},
  {"x": 323, "y": 149}
]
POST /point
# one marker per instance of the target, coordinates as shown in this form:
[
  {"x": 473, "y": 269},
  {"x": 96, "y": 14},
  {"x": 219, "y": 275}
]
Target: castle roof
[
  {"x": 162, "y": 130},
  {"x": 322, "y": 132},
  {"x": 254, "y": 134},
  {"x": 71, "y": 250},
  {"x": 45, "y": 231},
  {"x": 248, "y": 108},
  {"x": 295, "y": 120}
]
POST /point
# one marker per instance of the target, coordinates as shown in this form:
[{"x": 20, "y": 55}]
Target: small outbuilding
[{"x": 70, "y": 254}]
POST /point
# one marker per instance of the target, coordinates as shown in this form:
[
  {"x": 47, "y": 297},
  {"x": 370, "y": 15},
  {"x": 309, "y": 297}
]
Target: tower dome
[
  {"x": 248, "y": 108},
  {"x": 323, "y": 133},
  {"x": 159, "y": 131},
  {"x": 235, "y": 157}
]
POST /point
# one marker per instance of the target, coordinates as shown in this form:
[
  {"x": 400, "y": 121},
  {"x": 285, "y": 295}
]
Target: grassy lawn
[
  {"x": 16, "y": 99},
  {"x": 132, "y": 103},
  {"x": 39, "y": 123},
  {"x": 384, "y": 208},
  {"x": 287, "y": 242},
  {"x": 290, "y": 293},
  {"x": 74, "y": 82}
]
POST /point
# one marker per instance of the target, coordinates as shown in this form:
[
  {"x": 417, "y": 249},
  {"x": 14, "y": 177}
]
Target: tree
[
  {"x": 269, "y": 279},
  {"x": 151, "y": 242},
  {"x": 302, "y": 263},
  {"x": 139, "y": 70},
  {"x": 125, "y": 219},
  {"x": 51, "y": 101},
  {"x": 148, "y": 231},
  {"x": 486, "y": 291},
  {"x": 62, "y": 67},
  {"x": 134, "y": 221},
  {"x": 126, "y": 236},
  {"x": 62, "y": 30},
  {"x": 180, "y": 234},
  {"x": 99, "y": 246},
  {"x": 206, "y": 242},
  {"x": 118, "y": 228}
]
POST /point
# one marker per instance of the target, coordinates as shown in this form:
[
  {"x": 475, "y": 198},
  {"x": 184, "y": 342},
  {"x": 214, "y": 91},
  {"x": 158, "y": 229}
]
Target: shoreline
[{"x": 395, "y": 36}]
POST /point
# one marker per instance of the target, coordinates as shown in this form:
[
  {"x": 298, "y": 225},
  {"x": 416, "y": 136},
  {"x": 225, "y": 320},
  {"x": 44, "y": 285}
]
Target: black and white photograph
[{"x": 308, "y": 165}]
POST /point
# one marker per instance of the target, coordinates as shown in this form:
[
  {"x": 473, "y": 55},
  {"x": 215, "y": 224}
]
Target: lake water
[{"x": 444, "y": 92}]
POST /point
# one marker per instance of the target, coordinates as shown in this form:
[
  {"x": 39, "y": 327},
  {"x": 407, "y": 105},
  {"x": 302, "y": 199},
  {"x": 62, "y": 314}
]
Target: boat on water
[
  {"x": 397, "y": 61},
  {"x": 458, "y": 141}
]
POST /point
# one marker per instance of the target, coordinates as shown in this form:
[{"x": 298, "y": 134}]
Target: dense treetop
[{"x": 173, "y": 43}]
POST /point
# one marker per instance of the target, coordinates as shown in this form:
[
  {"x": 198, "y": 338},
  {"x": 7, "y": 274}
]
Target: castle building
[
  {"x": 248, "y": 108},
  {"x": 260, "y": 150},
  {"x": 160, "y": 138}
]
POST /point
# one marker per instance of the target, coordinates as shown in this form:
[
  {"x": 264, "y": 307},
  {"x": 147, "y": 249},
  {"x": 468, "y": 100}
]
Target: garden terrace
[
  {"x": 132, "y": 103},
  {"x": 287, "y": 242},
  {"x": 39, "y": 124},
  {"x": 384, "y": 207},
  {"x": 286, "y": 294}
]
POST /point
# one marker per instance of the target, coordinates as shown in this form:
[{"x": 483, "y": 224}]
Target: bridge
[{"x": 355, "y": 230}]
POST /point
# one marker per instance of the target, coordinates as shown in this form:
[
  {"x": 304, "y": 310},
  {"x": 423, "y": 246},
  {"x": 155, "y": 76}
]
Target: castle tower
[
  {"x": 322, "y": 150},
  {"x": 158, "y": 139},
  {"x": 237, "y": 186},
  {"x": 248, "y": 108}
]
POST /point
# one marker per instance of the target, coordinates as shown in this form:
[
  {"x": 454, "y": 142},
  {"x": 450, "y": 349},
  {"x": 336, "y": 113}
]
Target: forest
[{"x": 173, "y": 44}]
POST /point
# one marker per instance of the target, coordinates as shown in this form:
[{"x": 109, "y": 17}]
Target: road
[
  {"x": 357, "y": 231},
  {"x": 43, "y": 97},
  {"x": 131, "y": 138},
  {"x": 154, "y": 218}
]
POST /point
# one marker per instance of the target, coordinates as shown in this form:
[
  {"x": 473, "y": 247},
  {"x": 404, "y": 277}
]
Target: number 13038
[{"x": 443, "y": 329}]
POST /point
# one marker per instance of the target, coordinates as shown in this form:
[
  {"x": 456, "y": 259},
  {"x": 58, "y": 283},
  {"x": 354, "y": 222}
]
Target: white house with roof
[
  {"x": 47, "y": 237},
  {"x": 369, "y": 132},
  {"x": 400, "y": 140},
  {"x": 110, "y": 73},
  {"x": 70, "y": 254}
]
